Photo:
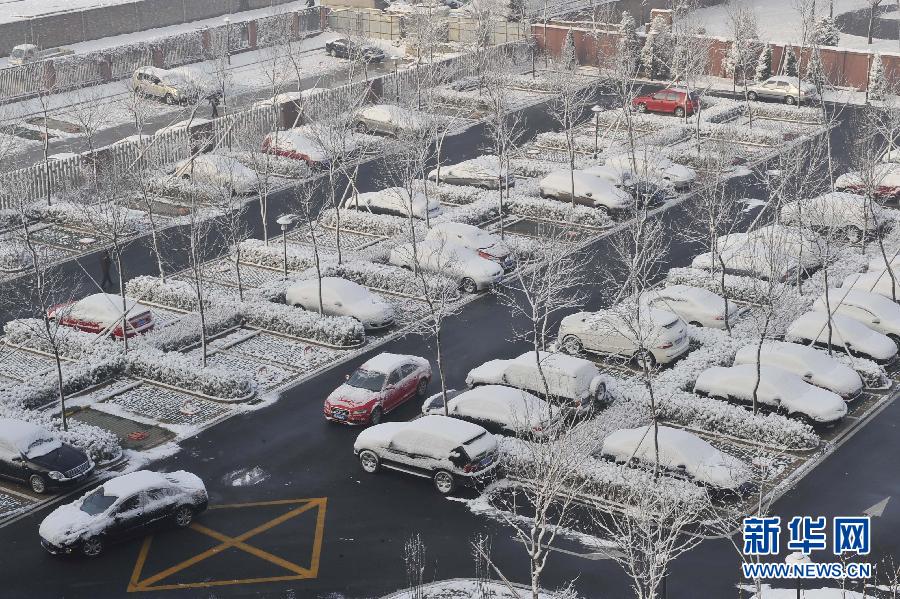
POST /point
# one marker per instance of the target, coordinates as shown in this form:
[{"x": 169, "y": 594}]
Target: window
[
  {"x": 407, "y": 369},
  {"x": 659, "y": 96},
  {"x": 673, "y": 97},
  {"x": 394, "y": 378},
  {"x": 129, "y": 505},
  {"x": 158, "y": 494}
]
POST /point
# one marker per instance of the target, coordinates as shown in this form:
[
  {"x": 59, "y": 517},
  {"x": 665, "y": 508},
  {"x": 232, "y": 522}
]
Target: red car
[
  {"x": 97, "y": 313},
  {"x": 672, "y": 100},
  {"x": 296, "y": 145},
  {"x": 380, "y": 385}
]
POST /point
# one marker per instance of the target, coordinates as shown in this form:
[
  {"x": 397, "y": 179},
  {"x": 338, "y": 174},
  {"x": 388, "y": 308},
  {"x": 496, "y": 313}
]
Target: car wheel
[
  {"x": 444, "y": 482},
  {"x": 375, "y": 416},
  {"x": 360, "y": 127},
  {"x": 679, "y": 112},
  {"x": 38, "y": 484},
  {"x": 369, "y": 462},
  {"x": 642, "y": 108},
  {"x": 645, "y": 356},
  {"x": 468, "y": 285},
  {"x": 600, "y": 393},
  {"x": 168, "y": 99},
  {"x": 752, "y": 96},
  {"x": 854, "y": 234},
  {"x": 572, "y": 345},
  {"x": 92, "y": 546},
  {"x": 183, "y": 516},
  {"x": 790, "y": 100},
  {"x": 422, "y": 388}
]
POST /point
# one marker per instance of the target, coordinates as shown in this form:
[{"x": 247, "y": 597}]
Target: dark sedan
[
  {"x": 345, "y": 48},
  {"x": 32, "y": 455}
]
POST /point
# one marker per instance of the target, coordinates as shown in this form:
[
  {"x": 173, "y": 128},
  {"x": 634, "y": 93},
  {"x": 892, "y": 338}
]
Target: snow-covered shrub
[
  {"x": 716, "y": 416},
  {"x": 172, "y": 293},
  {"x": 9, "y": 218},
  {"x": 806, "y": 114},
  {"x": 721, "y": 110},
  {"x": 873, "y": 375},
  {"x": 43, "y": 389},
  {"x": 275, "y": 165},
  {"x": 71, "y": 343},
  {"x": 462, "y": 99},
  {"x": 385, "y": 276},
  {"x": 100, "y": 444},
  {"x": 186, "y": 331},
  {"x": 14, "y": 256},
  {"x": 471, "y": 214},
  {"x": 85, "y": 216},
  {"x": 525, "y": 248},
  {"x": 541, "y": 167},
  {"x": 179, "y": 370},
  {"x": 744, "y": 289},
  {"x": 361, "y": 221},
  {"x": 341, "y": 331},
  {"x": 457, "y": 194},
  {"x": 740, "y": 133},
  {"x": 557, "y": 140},
  {"x": 299, "y": 257},
  {"x": 558, "y": 211}
]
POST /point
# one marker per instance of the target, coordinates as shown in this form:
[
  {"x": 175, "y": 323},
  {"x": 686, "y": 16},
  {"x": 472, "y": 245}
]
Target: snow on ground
[
  {"x": 465, "y": 588},
  {"x": 779, "y": 21},
  {"x": 823, "y": 593}
]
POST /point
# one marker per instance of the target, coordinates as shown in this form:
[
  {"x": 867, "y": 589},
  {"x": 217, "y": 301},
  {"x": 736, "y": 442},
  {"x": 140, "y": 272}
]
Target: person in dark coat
[
  {"x": 105, "y": 269},
  {"x": 214, "y": 105}
]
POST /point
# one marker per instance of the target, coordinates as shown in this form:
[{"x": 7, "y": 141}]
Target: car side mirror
[
  {"x": 876, "y": 321},
  {"x": 681, "y": 467},
  {"x": 808, "y": 375}
]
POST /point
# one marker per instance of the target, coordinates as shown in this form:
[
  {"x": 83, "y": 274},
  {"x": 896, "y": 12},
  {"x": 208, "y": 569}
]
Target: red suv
[
  {"x": 672, "y": 100},
  {"x": 380, "y": 385}
]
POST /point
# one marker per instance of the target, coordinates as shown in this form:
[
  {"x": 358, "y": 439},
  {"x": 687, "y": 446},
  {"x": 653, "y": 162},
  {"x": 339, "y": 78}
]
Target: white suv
[{"x": 449, "y": 451}]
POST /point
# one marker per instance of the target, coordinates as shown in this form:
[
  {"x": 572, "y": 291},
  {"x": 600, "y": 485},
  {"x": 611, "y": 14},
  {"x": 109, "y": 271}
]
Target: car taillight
[
  {"x": 537, "y": 429},
  {"x": 470, "y": 468},
  {"x": 485, "y": 255},
  {"x": 720, "y": 317},
  {"x": 665, "y": 345}
]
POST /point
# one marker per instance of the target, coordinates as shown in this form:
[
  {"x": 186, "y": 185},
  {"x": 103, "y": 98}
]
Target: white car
[
  {"x": 341, "y": 297},
  {"x": 747, "y": 256},
  {"x": 785, "y": 89},
  {"x": 396, "y": 202},
  {"x": 387, "y": 119},
  {"x": 214, "y": 170},
  {"x": 570, "y": 380},
  {"x": 589, "y": 191},
  {"x": 487, "y": 245},
  {"x": 123, "y": 507},
  {"x": 885, "y": 179},
  {"x": 660, "y": 334},
  {"x": 812, "y": 365},
  {"x": 484, "y": 171},
  {"x": 871, "y": 309},
  {"x": 778, "y": 390},
  {"x": 845, "y": 331},
  {"x": 296, "y": 144},
  {"x": 876, "y": 281},
  {"x": 449, "y": 451},
  {"x": 694, "y": 305},
  {"x": 836, "y": 211},
  {"x": 620, "y": 179},
  {"x": 499, "y": 409},
  {"x": 654, "y": 167},
  {"x": 682, "y": 454},
  {"x": 473, "y": 272}
]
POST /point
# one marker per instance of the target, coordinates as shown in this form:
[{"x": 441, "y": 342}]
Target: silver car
[{"x": 784, "y": 89}]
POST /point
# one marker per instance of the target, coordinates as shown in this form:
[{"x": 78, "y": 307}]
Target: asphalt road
[{"x": 367, "y": 519}]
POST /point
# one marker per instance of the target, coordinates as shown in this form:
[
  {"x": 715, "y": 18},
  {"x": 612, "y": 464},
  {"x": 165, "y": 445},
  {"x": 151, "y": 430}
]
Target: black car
[
  {"x": 344, "y": 48},
  {"x": 32, "y": 455},
  {"x": 124, "y": 507},
  {"x": 648, "y": 193}
]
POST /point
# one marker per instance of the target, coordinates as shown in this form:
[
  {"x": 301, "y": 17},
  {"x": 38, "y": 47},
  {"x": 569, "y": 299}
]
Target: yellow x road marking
[{"x": 238, "y": 542}]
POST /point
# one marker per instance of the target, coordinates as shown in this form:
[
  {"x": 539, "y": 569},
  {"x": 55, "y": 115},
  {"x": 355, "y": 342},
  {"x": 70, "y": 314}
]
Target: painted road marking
[{"x": 298, "y": 572}]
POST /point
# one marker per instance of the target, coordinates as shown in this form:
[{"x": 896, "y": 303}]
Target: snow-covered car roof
[
  {"x": 486, "y": 166},
  {"x": 386, "y": 362},
  {"x": 576, "y": 367},
  {"x": 394, "y": 198},
  {"x": 26, "y": 437},
  {"x": 463, "y": 229},
  {"x": 826, "y": 371},
  {"x": 500, "y": 404},
  {"x": 886, "y": 173},
  {"x": 814, "y": 326},
  {"x": 429, "y": 435},
  {"x": 348, "y": 290},
  {"x": 562, "y": 179},
  {"x": 678, "y": 448},
  {"x": 390, "y": 113},
  {"x": 133, "y": 482},
  {"x": 617, "y": 321},
  {"x": 849, "y": 296},
  {"x": 104, "y": 308},
  {"x": 879, "y": 281},
  {"x": 298, "y": 139},
  {"x": 697, "y": 295}
]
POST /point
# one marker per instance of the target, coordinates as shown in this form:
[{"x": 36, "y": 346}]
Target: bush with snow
[
  {"x": 100, "y": 444},
  {"x": 741, "y": 133},
  {"x": 477, "y": 212},
  {"x": 257, "y": 252},
  {"x": 43, "y": 389},
  {"x": 542, "y": 208},
  {"x": 341, "y": 331},
  {"x": 805, "y": 114},
  {"x": 71, "y": 343},
  {"x": 14, "y": 256},
  {"x": 85, "y": 216},
  {"x": 187, "y": 330},
  {"x": 386, "y": 277},
  {"x": 172, "y": 293},
  {"x": 186, "y": 372},
  {"x": 739, "y": 288},
  {"x": 362, "y": 221}
]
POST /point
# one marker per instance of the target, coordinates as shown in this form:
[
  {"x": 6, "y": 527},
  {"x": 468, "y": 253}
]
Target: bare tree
[
  {"x": 567, "y": 109},
  {"x": 505, "y": 127}
]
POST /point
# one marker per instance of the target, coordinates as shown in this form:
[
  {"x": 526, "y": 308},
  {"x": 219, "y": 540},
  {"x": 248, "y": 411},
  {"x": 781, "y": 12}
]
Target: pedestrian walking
[
  {"x": 310, "y": 3},
  {"x": 105, "y": 268},
  {"x": 214, "y": 105}
]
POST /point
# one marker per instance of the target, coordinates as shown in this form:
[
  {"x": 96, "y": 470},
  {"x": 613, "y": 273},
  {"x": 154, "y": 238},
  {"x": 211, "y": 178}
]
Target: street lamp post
[
  {"x": 285, "y": 220},
  {"x": 596, "y": 109},
  {"x": 798, "y": 558}
]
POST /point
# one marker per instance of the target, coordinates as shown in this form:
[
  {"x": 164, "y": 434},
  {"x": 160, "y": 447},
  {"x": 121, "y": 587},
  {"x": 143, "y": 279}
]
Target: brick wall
[{"x": 845, "y": 67}]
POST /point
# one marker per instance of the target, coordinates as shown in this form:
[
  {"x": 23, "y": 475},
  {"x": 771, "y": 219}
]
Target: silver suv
[{"x": 784, "y": 89}]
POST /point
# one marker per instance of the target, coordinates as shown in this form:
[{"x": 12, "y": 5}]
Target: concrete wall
[
  {"x": 845, "y": 67},
  {"x": 70, "y": 28},
  {"x": 376, "y": 24}
]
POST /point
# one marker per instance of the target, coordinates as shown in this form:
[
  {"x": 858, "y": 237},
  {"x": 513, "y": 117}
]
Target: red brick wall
[{"x": 845, "y": 67}]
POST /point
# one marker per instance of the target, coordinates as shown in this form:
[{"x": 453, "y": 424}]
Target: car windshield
[
  {"x": 364, "y": 379},
  {"x": 97, "y": 502},
  {"x": 41, "y": 446}
]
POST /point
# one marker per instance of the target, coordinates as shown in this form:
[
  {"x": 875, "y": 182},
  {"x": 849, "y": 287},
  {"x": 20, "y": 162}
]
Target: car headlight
[{"x": 55, "y": 475}]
